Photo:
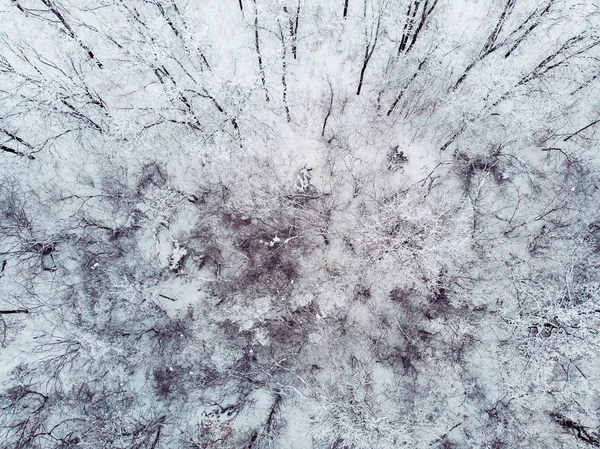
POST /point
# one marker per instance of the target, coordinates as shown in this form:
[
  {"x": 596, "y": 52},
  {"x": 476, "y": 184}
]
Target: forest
[{"x": 299, "y": 224}]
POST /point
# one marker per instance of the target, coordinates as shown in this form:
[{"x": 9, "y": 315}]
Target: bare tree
[
  {"x": 412, "y": 29},
  {"x": 513, "y": 40},
  {"x": 284, "y": 71},
  {"x": 403, "y": 90},
  {"x": 261, "y": 69},
  {"x": 329, "y": 109},
  {"x": 579, "y": 131},
  {"x": 58, "y": 16},
  {"x": 372, "y": 33},
  {"x": 576, "y": 47},
  {"x": 293, "y": 25}
]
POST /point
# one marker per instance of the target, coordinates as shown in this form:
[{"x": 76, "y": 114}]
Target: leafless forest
[{"x": 299, "y": 224}]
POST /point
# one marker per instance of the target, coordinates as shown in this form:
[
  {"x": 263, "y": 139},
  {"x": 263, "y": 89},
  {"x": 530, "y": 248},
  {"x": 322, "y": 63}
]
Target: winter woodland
[{"x": 299, "y": 224}]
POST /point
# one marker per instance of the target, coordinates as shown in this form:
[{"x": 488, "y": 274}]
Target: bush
[
  {"x": 468, "y": 166},
  {"x": 169, "y": 381}
]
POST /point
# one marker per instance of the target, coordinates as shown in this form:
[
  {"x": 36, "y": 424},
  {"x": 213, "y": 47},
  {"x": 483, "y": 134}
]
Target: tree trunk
[
  {"x": 362, "y": 76},
  {"x": 283, "y": 76},
  {"x": 328, "y": 111},
  {"x": 257, "y": 46},
  {"x": 7, "y": 312}
]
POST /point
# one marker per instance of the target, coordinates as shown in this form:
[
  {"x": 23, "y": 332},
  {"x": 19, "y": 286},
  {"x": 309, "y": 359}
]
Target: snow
[{"x": 414, "y": 266}]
